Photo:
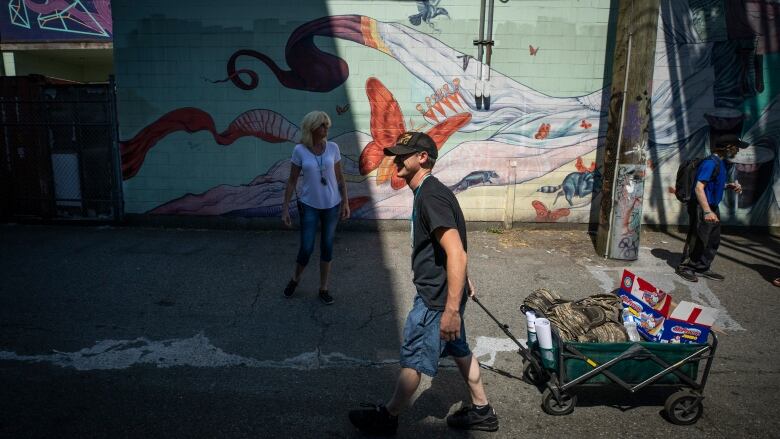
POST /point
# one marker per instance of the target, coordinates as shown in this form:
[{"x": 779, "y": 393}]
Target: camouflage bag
[
  {"x": 574, "y": 320},
  {"x": 542, "y": 300},
  {"x": 593, "y": 319},
  {"x": 609, "y": 303},
  {"x": 609, "y": 332}
]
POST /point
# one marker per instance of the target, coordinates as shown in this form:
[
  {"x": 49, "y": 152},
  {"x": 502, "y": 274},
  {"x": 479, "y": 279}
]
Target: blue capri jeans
[{"x": 328, "y": 220}]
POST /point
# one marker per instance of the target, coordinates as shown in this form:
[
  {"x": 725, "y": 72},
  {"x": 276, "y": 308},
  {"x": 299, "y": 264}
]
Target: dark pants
[
  {"x": 327, "y": 219},
  {"x": 701, "y": 244}
]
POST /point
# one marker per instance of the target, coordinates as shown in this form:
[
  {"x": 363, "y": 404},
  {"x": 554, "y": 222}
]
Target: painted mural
[
  {"x": 55, "y": 20},
  {"x": 712, "y": 74}
]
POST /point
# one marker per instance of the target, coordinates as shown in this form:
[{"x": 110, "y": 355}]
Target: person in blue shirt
[{"x": 701, "y": 244}]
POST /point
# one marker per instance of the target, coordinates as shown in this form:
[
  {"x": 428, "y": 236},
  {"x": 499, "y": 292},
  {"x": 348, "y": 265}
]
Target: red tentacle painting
[{"x": 264, "y": 124}]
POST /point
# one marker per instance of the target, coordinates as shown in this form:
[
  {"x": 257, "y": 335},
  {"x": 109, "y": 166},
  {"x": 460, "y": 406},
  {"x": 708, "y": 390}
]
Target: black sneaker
[
  {"x": 471, "y": 418},
  {"x": 326, "y": 298},
  {"x": 374, "y": 420},
  {"x": 686, "y": 274},
  {"x": 290, "y": 288},
  {"x": 709, "y": 274}
]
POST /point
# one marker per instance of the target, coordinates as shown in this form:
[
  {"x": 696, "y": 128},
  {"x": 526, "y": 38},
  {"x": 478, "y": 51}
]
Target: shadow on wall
[
  {"x": 247, "y": 122},
  {"x": 248, "y": 104},
  {"x": 711, "y": 78},
  {"x": 609, "y": 58},
  {"x": 715, "y": 61}
]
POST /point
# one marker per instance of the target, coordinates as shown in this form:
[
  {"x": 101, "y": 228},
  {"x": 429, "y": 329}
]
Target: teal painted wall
[{"x": 530, "y": 156}]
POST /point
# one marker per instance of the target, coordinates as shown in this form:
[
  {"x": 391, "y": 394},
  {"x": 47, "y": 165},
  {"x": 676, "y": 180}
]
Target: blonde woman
[{"x": 322, "y": 197}]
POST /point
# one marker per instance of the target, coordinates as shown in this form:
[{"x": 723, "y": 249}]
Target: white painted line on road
[
  {"x": 662, "y": 276},
  {"x": 491, "y": 346},
  {"x": 196, "y": 351}
]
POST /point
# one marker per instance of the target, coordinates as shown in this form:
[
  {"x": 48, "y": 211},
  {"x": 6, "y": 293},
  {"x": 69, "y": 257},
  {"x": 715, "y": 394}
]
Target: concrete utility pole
[{"x": 625, "y": 150}]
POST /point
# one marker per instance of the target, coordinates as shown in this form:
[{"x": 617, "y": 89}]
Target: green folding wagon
[
  {"x": 573, "y": 367},
  {"x": 633, "y": 366}
]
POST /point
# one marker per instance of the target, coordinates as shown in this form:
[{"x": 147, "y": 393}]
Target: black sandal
[
  {"x": 326, "y": 298},
  {"x": 290, "y": 288}
]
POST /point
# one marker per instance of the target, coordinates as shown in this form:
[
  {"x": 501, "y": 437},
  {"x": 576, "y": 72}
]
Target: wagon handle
[{"x": 524, "y": 352}]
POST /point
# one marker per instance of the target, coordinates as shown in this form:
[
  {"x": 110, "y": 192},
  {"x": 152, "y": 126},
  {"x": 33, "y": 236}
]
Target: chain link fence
[{"x": 58, "y": 150}]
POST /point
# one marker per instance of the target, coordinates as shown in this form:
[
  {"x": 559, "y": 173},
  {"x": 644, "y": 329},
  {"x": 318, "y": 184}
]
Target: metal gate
[{"x": 58, "y": 150}]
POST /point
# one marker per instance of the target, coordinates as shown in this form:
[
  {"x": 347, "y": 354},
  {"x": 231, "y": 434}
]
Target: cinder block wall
[{"x": 531, "y": 156}]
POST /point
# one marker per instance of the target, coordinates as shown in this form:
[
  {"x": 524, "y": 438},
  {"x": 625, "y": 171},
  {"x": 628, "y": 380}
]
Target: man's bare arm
[
  {"x": 701, "y": 197},
  {"x": 457, "y": 261}
]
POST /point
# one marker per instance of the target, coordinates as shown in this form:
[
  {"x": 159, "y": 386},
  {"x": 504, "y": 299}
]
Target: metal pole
[
  {"x": 479, "y": 42},
  {"x": 481, "y": 35},
  {"x": 118, "y": 204},
  {"x": 489, "y": 40},
  {"x": 488, "y": 53}
]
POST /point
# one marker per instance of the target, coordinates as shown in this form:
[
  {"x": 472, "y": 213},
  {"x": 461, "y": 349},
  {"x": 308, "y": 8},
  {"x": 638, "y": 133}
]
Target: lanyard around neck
[
  {"x": 319, "y": 159},
  {"x": 414, "y": 207}
]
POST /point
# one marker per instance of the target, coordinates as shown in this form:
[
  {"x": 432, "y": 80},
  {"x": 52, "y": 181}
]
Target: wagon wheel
[
  {"x": 684, "y": 408},
  {"x": 561, "y": 407},
  {"x": 531, "y": 375}
]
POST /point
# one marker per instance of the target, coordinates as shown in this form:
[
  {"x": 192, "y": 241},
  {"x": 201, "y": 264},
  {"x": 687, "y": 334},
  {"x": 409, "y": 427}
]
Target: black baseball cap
[
  {"x": 730, "y": 139},
  {"x": 413, "y": 141}
]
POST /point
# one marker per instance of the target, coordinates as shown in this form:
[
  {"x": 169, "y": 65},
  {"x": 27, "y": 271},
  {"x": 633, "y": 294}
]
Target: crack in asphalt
[{"x": 371, "y": 317}]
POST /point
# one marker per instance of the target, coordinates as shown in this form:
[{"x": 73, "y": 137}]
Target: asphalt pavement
[{"x": 114, "y": 332}]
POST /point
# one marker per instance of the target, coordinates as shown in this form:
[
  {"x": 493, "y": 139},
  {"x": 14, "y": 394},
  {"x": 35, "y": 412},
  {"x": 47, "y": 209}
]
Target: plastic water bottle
[
  {"x": 630, "y": 324},
  {"x": 627, "y": 317},
  {"x": 530, "y": 318},
  {"x": 633, "y": 334}
]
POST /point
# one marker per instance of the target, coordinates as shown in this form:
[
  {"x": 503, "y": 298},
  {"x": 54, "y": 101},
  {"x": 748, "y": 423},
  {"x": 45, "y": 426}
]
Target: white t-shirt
[{"x": 311, "y": 191}]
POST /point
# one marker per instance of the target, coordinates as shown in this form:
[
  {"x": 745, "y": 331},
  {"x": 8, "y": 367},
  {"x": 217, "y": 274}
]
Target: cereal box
[{"x": 658, "y": 318}]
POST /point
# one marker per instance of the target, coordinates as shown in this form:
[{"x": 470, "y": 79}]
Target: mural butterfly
[
  {"x": 545, "y": 215},
  {"x": 532, "y": 50},
  {"x": 387, "y": 123},
  {"x": 581, "y": 166},
  {"x": 543, "y": 132},
  {"x": 341, "y": 110}
]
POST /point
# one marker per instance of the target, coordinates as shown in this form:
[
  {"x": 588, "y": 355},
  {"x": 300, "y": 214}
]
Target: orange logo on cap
[{"x": 404, "y": 138}]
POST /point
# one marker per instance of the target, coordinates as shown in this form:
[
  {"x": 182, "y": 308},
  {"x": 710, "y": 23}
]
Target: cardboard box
[
  {"x": 690, "y": 323},
  {"x": 658, "y": 318}
]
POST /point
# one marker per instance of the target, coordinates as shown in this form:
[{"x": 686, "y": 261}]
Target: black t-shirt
[{"x": 434, "y": 206}]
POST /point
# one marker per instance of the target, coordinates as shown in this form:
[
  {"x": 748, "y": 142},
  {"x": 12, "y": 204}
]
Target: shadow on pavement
[
  {"x": 620, "y": 399},
  {"x": 737, "y": 246},
  {"x": 769, "y": 273},
  {"x": 671, "y": 259}
]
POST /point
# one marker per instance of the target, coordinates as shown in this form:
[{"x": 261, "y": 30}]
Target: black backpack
[{"x": 686, "y": 178}]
